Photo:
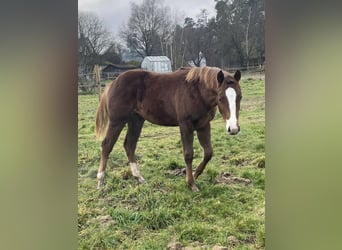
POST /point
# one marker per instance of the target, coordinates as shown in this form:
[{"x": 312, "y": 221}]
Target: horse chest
[{"x": 204, "y": 119}]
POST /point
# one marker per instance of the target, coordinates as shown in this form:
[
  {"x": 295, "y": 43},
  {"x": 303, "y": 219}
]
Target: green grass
[{"x": 126, "y": 215}]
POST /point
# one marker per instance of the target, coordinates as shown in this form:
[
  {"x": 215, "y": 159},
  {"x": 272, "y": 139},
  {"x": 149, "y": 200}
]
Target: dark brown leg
[
  {"x": 187, "y": 135},
  {"x": 134, "y": 129},
  {"x": 112, "y": 135},
  {"x": 204, "y": 138}
]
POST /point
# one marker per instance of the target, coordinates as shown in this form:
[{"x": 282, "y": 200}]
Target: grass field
[{"x": 228, "y": 211}]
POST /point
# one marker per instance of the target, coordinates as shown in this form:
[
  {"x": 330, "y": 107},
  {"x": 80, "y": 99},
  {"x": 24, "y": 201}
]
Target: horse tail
[{"x": 102, "y": 118}]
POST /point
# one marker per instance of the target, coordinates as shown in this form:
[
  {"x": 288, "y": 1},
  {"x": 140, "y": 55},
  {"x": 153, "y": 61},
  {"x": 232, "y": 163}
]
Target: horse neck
[
  {"x": 209, "y": 94},
  {"x": 211, "y": 82},
  {"x": 215, "y": 86}
]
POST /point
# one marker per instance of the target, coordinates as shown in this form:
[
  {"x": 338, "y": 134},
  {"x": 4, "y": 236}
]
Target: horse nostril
[{"x": 233, "y": 131}]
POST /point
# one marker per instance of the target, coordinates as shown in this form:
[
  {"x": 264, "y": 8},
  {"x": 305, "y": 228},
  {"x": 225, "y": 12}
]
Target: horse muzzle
[{"x": 234, "y": 130}]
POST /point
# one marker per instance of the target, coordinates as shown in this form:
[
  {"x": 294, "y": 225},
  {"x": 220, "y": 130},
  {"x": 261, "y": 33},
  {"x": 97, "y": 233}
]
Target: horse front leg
[
  {"x": 187, "y": 135},
  {"x": 204, "y": 138}
]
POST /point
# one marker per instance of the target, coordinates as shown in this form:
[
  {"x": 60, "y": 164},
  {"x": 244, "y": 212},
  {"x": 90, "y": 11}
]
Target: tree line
[{"x": 234, "y": 37}]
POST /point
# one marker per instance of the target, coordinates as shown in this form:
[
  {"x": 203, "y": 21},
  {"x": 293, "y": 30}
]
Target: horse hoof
[
  {"x": 100, "y": 185},
  {"x": 100, "y": 179},
  {"x": 141, "y": 180},
  {"x": 194, "y": 188}
]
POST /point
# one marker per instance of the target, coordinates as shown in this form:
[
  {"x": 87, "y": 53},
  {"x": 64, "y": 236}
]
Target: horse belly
[
  {"x": 162, "y": 122},
  {"x": 158, "y": 113}
]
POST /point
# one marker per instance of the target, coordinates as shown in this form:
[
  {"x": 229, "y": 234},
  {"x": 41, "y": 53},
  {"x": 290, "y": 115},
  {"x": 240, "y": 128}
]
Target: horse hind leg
[
  {"x": 204, "y": 138},
  {"x": 133, "y": 133},
  {"x": 108, "y": 143}
]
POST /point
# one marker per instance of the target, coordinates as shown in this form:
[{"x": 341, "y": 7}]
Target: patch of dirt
[
  {"x": 227, "y": 178},
  {"x": 233, "y": 241},
  {"x": 174, "y": 246},
  {"x": 104, "y": 220},
  {"x": 217, "y": 247},
  {"x": 250, "y": 240},
  {"x": 177, "y": 172},
  {"x": 178, "y": 246},
  {"x": 239, "y": 161},
  {"x": 225, "y": 157},
  {"x": 126, "y": 174},
  {"x": 259, "y": 162},
  {"x": 260, "y": 212}
]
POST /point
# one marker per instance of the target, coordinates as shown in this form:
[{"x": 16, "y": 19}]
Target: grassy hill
[{"x": 228, "y": 211}]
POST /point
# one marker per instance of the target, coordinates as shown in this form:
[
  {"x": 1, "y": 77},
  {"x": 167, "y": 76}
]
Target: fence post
[{"x": 97, "y": 71}]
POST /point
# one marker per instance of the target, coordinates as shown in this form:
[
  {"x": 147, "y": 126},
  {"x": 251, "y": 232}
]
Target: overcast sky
[{"x": 114, "y": 13}]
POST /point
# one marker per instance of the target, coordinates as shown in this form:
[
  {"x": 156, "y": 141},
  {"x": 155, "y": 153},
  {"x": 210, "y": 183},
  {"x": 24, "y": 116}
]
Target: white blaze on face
[{"x": 232, "y": 121}]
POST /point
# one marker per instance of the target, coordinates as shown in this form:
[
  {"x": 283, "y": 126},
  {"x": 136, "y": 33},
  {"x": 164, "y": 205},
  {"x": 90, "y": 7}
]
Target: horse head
[{"x": 229, "y": 98}]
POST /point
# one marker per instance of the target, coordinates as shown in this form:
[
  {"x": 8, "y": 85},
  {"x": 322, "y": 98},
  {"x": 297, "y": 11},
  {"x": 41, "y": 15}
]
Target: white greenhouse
[{"x": 156, "y": 64}]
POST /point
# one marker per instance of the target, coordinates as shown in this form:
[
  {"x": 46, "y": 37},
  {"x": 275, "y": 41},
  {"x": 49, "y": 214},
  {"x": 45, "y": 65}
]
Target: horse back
[
  {"x": 160, "y": 96},
  {"x": 149, "y": 94}
]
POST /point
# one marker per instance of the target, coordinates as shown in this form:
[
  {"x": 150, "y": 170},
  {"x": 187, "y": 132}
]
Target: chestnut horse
[{"x": 186, "y": 98}]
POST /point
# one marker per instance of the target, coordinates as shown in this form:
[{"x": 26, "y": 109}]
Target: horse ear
[
  {"x": 220, "y": 77},
  {"x": 237, "y": 75}
]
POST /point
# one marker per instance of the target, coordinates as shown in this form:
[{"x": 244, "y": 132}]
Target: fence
[
  {"x": 252, "y": 72},
  {"x": 87, "y": 82}
]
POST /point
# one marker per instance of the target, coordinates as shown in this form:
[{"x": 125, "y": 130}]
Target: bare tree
[
  {"x": 93, "y": 39},
  {"x": 147, "y": 30}
]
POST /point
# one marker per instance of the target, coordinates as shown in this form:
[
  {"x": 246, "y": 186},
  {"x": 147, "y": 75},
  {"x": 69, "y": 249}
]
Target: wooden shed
[{"x": 113, "y": 70}]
